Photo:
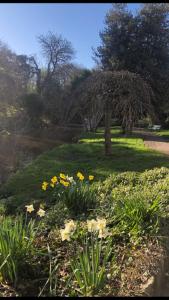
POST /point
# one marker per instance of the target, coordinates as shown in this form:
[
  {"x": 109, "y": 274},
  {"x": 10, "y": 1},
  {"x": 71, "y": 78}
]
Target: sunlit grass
[
  {"x": 163, "y": 133},
  {"x": 128, "y": 154}
]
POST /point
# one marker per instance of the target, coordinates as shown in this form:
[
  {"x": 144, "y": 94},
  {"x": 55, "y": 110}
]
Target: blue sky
[{"x": 79, "y": 23}]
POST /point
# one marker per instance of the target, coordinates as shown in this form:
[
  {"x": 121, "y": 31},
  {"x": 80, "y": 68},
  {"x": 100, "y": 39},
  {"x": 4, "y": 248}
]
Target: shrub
[
  {"x": 133, "y": 208},
  {"x": 123, "y": 179},
  {"x": 135, "y": 216},
  {"x": 152, "y": 176}
]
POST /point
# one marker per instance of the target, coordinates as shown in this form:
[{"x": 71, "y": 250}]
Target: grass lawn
[
  {"x": 163, "y": 133},
  {"x": 87, "y": 156}
]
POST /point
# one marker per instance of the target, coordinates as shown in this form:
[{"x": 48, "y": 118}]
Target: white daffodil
[
  {"x": 92, "y": 225},
  {"x": 29, "y": 208},
  {"x": 70, "y": 226},
  {"x": 65, "y": 235},
  {"x": 41, "y": 212},
  {"x": 103, "y": 233},
  {"x": 101, "y": 224}
]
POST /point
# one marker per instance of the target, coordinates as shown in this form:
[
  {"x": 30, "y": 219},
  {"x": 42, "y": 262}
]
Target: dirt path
[{"x": 154, "y": 142}]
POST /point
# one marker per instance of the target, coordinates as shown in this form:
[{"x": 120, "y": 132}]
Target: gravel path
[{"x": 153, "y": 141}]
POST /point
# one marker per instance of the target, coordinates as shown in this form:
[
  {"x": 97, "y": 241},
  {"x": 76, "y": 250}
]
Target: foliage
[
  {"x": 78, "y": 196},
  {"x": 16, "y": 240},
  {"x": 51, "y": 283},
  {"x": 89, "y": 263},
  {"x": 56, "y": 214},
  {"x": 34, "y": 108},
  {"x": 134, "y": 210},
  {"x": 129, "y": 154},
  {"x": 121, "y": 93},
  {"x": 150, "y": 177},
  {"x": 145, "y": 33}
]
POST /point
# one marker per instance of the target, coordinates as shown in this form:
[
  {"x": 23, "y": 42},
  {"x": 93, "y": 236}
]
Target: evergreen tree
[{"x": 139, "y": 44}]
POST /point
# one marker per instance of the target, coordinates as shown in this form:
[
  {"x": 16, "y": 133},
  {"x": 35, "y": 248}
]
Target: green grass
[
  {"x": 163, "y": 133},
  {"x": 128, "y": 154}
]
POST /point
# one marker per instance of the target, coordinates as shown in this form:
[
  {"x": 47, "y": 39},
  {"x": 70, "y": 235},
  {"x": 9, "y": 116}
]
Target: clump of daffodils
[
  {"x": 68, "y": 231},
  {"x": 30, "y": 208},
  {"x": 64, "y": 180},
  {"x": 98, "y": 226}
]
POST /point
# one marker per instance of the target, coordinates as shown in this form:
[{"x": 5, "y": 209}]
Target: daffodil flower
[
  {"x": 91, "y": 177},
  {"x": 29, "y": 208},
  {"x": 92, "y": 225},
  {"x": 80, "y": 176},
  {"x": 103, "y": 233},
  {"x": 70, "y": 226},
  {"x": 54, "y": 179},
  {"x": 65, "y": 235},
  {"x": 44, "y": 185},
  {"x": 101, "y": 224},
  {"x": 63, "y": 176},
  {"x": 41, "y": 212},
  {"x": 65, "y": 183}
]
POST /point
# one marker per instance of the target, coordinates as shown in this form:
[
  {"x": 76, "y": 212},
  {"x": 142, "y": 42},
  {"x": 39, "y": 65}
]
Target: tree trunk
[
  {"x": 108, "y": 113},
  {"x": 123, "y": 129}
]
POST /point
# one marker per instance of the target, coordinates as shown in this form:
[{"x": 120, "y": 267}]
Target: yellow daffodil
[
  {"x": 52, "y": 185},
  {"x": 91, "y": 177},
  {"x": 62, "y": 181},
  {"x": 41, "y": 212},
  {"x": 65, "y": 183},
  {"x": 29, "y": 208},
  {"x": 101, "y": 224},
  {"x": 80, "y": 176},
  {"x": 65, "y": 235},
  {"x": 54, "y": 179},
  {"x": 92, "y": 225},
  {"x": 44, "y": 185},
  {"x": 63, "y": 176},
  {"x": 70, "y": 226}
]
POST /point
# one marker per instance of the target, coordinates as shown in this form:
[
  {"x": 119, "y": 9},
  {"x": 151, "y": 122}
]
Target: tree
[
  {"x": 153, "y": 59},
  {"x": 123, "y": 94},
  {"x": 58, "y": 53},
  {"x": 138, "y": 44},
  {"x": 14, "y": 73},
  {"x": 33, "y": 108},
  {"x": 52, "y": 80},
  {"x": 115, "y": 52}
]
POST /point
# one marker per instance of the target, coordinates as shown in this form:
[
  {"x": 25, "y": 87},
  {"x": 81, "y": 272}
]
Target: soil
[{"x": 151, "y": 140}]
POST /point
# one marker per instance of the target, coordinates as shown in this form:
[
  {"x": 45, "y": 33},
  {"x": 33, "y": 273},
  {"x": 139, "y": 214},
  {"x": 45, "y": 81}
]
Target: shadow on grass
[{"x": 86, "y": 157}]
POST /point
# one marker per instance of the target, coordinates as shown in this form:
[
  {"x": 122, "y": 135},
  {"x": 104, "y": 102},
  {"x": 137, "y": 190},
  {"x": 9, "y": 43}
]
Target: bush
[
  {"x": 123, "y": 179},
  {"x": 152, "y": 176},
  {"x": 132, "y": 207},
  {"x": 135, "y": 216}
]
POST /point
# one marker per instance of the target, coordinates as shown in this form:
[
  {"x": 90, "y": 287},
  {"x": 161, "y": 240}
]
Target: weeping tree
[{"x": 122, "y": 94}]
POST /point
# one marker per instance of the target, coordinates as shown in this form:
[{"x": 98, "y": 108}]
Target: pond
[{"x": 17, "y": 150}]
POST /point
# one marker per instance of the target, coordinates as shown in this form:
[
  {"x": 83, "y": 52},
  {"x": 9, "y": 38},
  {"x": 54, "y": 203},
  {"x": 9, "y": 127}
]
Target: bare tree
[{"x": 58, "y": 52}]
